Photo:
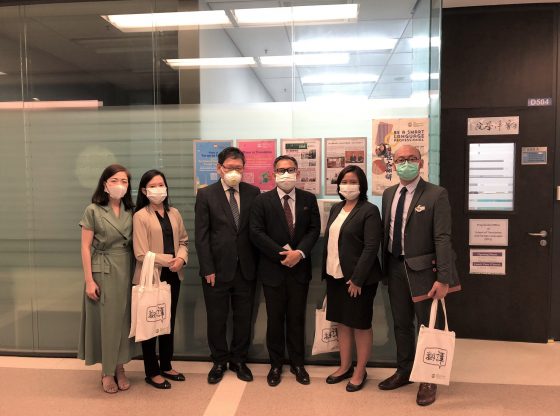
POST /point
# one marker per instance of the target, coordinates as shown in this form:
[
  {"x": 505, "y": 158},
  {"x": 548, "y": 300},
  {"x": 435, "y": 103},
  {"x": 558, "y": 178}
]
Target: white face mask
[
  {"x": 156, "y": 195},
  {"x": 349, "y": 191},
  {"x": 286, "y": 181},
  {"x": 232, "y": 178},
  {"x": 116, "y": 191}
]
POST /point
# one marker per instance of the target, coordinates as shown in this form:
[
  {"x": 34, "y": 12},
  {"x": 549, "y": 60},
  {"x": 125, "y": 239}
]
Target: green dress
[{"x": 106, "y": 323}]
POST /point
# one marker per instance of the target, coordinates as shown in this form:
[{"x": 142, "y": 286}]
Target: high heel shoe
[
  {"x": 337, "y": 379},
  {"x": 353, "y": 387}
]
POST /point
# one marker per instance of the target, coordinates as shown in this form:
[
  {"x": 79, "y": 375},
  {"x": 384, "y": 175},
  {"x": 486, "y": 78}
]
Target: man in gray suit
[{"x": 418, "y": 259}]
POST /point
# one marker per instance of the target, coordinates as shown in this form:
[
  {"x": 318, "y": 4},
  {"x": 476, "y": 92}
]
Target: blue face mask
[{"x": 407, "y": 170}]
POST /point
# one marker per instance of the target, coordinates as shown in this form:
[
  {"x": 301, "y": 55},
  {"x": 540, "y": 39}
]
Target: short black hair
[
  {"x": 285, "y": 157},
  {"x": 362, "y": 180},
  {"x": 231, "y": 152},
  {"x": 100, "y": 197},
  {"x": 142, "y": 200}
]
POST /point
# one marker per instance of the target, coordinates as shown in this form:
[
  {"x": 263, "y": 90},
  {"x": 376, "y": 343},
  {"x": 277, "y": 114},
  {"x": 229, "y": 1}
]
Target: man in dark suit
[
  {"x": 227, "y": 263},
  {"x": 417, "y": 257},
  {"x": 285, "y": 225}
]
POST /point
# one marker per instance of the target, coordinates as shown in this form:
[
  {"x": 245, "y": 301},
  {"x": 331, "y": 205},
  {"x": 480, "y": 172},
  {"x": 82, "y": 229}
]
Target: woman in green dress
[{"x": 107, "y": 263}]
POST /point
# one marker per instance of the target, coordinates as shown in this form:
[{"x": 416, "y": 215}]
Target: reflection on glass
[{"x": 491, "y": 176}]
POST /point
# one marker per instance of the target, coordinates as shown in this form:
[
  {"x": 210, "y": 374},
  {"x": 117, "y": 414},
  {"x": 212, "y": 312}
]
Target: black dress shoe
[
  {"x": 216, "y": 373},
  {"x": 337, "y": 379},
  {"x": 274, "y": 376},
  {"x": 353, "y": 387},
  {"x": 301, "y": 375},
  {"x": 243, "y": 372},
  {"x": 174, "y": 377},
  {"x": 165, "y": 385},
  {"x": 426, "y": 394},
  {"x": 394, "y": 382}
]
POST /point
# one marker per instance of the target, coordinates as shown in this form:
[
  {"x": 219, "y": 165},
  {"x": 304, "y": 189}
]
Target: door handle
[{"x": 541, "y": 234}]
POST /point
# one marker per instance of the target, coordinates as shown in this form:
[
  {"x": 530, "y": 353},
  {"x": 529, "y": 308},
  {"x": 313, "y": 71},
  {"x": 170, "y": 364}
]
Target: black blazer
[
  {"x": 218, "y": 243},
  {"x": 359, "y": 241},
  {"x": 269, "y": 233}
]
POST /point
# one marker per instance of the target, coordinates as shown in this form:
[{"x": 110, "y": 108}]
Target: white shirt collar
[
  {"x": 226, "y": 186},
  {"x": 411, "y": 187},
  {"x": 281, "y": 193}
]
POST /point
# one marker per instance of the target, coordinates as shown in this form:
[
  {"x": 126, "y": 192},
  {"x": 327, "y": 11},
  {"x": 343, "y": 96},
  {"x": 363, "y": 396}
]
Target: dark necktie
[
  {"x": 289, "y": 216},
  {"x": 397, "y": 227},
  {"x": 234, "y": 207}
]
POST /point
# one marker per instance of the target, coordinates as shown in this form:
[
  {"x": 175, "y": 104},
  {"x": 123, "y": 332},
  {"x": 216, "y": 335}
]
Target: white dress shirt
[
  {"x": 292, "y": 205},
  {"x": 333, "y": 259},
  {"x": 410, "y": 188},
  {"x": 226, "y": 190}
]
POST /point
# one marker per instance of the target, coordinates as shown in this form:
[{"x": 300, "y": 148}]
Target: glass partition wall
[{"x": 86, "y": 84}]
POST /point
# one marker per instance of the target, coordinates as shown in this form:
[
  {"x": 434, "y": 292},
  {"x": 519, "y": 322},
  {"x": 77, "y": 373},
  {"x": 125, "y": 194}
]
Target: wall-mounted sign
[
  {"x": 539, "y": 102},
  {"x": 205, "y": 159},
  {"x": 487, "y": 261},
  {"x": 492, "y": 126},
  {"x": 534, "y": 155},
  {"x": 340, "y": 153},
  {"x": 488, "y": 232}
]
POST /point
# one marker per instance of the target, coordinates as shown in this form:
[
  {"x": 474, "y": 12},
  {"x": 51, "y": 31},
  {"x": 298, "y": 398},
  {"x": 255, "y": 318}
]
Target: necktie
[
  {"x": 234, "y": 207},
  {"x": 289, "y": 217},
  {"x": 397, "y": 228}
]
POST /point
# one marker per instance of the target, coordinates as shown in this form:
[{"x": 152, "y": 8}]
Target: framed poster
[
  {"x": 307, "y": 152},
  {"x": 387, "y": 136},
  {"x": 325, "y": 206},
  {"x": 339, "y": 153},
  {"x": 259, "y": 160},
  {"x": 205, "y": 159}
]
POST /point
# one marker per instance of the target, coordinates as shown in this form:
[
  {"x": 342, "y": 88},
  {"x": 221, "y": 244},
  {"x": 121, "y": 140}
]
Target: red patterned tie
[{"x": 289, "y": 216}]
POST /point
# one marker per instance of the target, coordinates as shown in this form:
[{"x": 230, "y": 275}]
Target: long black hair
[
  {"x": 362, "y": 180},
  {"x": 100, "y": 197},
  {"x": 142, "y": 200}
]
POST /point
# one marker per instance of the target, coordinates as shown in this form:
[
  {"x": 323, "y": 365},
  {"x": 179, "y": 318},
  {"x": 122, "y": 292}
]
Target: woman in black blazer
[{"x": 352, "y": 270}]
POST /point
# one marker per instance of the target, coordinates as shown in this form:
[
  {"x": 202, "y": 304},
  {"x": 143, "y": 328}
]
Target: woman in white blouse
[{"x": 352, "y": 270}]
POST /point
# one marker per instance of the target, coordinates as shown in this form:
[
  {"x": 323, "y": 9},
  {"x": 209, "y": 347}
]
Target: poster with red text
[{"x": 259, "y": 159}]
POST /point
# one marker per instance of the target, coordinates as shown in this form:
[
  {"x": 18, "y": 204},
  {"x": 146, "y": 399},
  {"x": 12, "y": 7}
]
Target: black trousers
[
  {"x": 240, "y": 292},
  {"x": 285, "y": 309},
  {"x": 151, "y": 366},
  {"x": 404, "y": 311}
]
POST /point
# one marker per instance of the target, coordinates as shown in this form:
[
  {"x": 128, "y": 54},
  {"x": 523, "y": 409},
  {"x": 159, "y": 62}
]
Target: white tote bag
[
  {"x": 326, "y": 332},
  {"x": 434, "y": 351},
  {"x": 150, "y": 303}
]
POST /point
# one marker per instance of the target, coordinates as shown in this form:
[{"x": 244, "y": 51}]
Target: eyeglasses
[
  {"x": 284, "y": 170},
  {"x": 411, "y": 159},
  {"x": 229, "y": 169}
]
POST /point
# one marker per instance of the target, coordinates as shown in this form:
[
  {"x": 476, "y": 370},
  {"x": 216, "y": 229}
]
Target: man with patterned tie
[
  {"x": 227, "y": 263},
  {"x": 285, "y": 225},
  {"x": 418, "y": 259}
]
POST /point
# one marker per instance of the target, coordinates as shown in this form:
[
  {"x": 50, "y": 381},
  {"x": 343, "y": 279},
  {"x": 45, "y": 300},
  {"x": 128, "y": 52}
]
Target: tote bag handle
[{"x": 433, "y": 314}]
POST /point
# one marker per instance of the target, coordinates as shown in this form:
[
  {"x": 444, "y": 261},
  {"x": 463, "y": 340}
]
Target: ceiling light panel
[
  {"x": 336, "y": 13},
  {"x": 340, "y": 44},
  {"x": 233, "y": 62},
  {"x": 168, "y": 21}
]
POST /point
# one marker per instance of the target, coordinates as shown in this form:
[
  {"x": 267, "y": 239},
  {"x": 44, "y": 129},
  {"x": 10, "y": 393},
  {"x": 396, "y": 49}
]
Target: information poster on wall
[
  {"x": 205, "y": 160},
  {"x": 488, "y": 261},
  {"x": 259, "y": 160},
  {"x": 388, "y": 135},
  {"x": 307, "y": 152},
  {"x": 339, "y": 153},
  {"x": 488, "y": 232},
  {"x": 325, "y": 206}
]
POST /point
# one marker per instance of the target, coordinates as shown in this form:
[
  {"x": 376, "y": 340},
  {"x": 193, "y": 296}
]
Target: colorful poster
[
  {"x": 307, "y": 152},
  {"x": 387, "y": 136},
  {"x": 325, "y": 206},
  {"x": 259, "y": 160},
  {"x": 205, "y": 161},
  {"x": 338, "y": 154}
]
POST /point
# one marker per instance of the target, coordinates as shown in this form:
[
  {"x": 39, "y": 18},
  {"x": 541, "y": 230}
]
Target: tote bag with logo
[
  {"x": 326, "y": 332},
  {"x": 434, "y": 351},
  {"x": 150, "y": 303}
]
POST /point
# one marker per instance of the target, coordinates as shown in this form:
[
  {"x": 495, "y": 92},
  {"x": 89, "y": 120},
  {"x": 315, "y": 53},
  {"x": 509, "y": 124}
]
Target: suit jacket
[
  {"x": 269, "y": 233},
  {"x": 218, "y": 243},
  {"x": 427, "y": 238},
  {"x": 147, "y": 236},
  {"x": 359, "y": 241}
]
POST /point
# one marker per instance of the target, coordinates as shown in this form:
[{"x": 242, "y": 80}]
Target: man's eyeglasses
[
  {"x": 284, "y": 170},
  {"x": 228, "y": 169},
  {"x": 411, "y": 159}
]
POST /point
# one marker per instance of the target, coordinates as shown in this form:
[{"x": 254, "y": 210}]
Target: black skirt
[{"x": 353, "y": 312}]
